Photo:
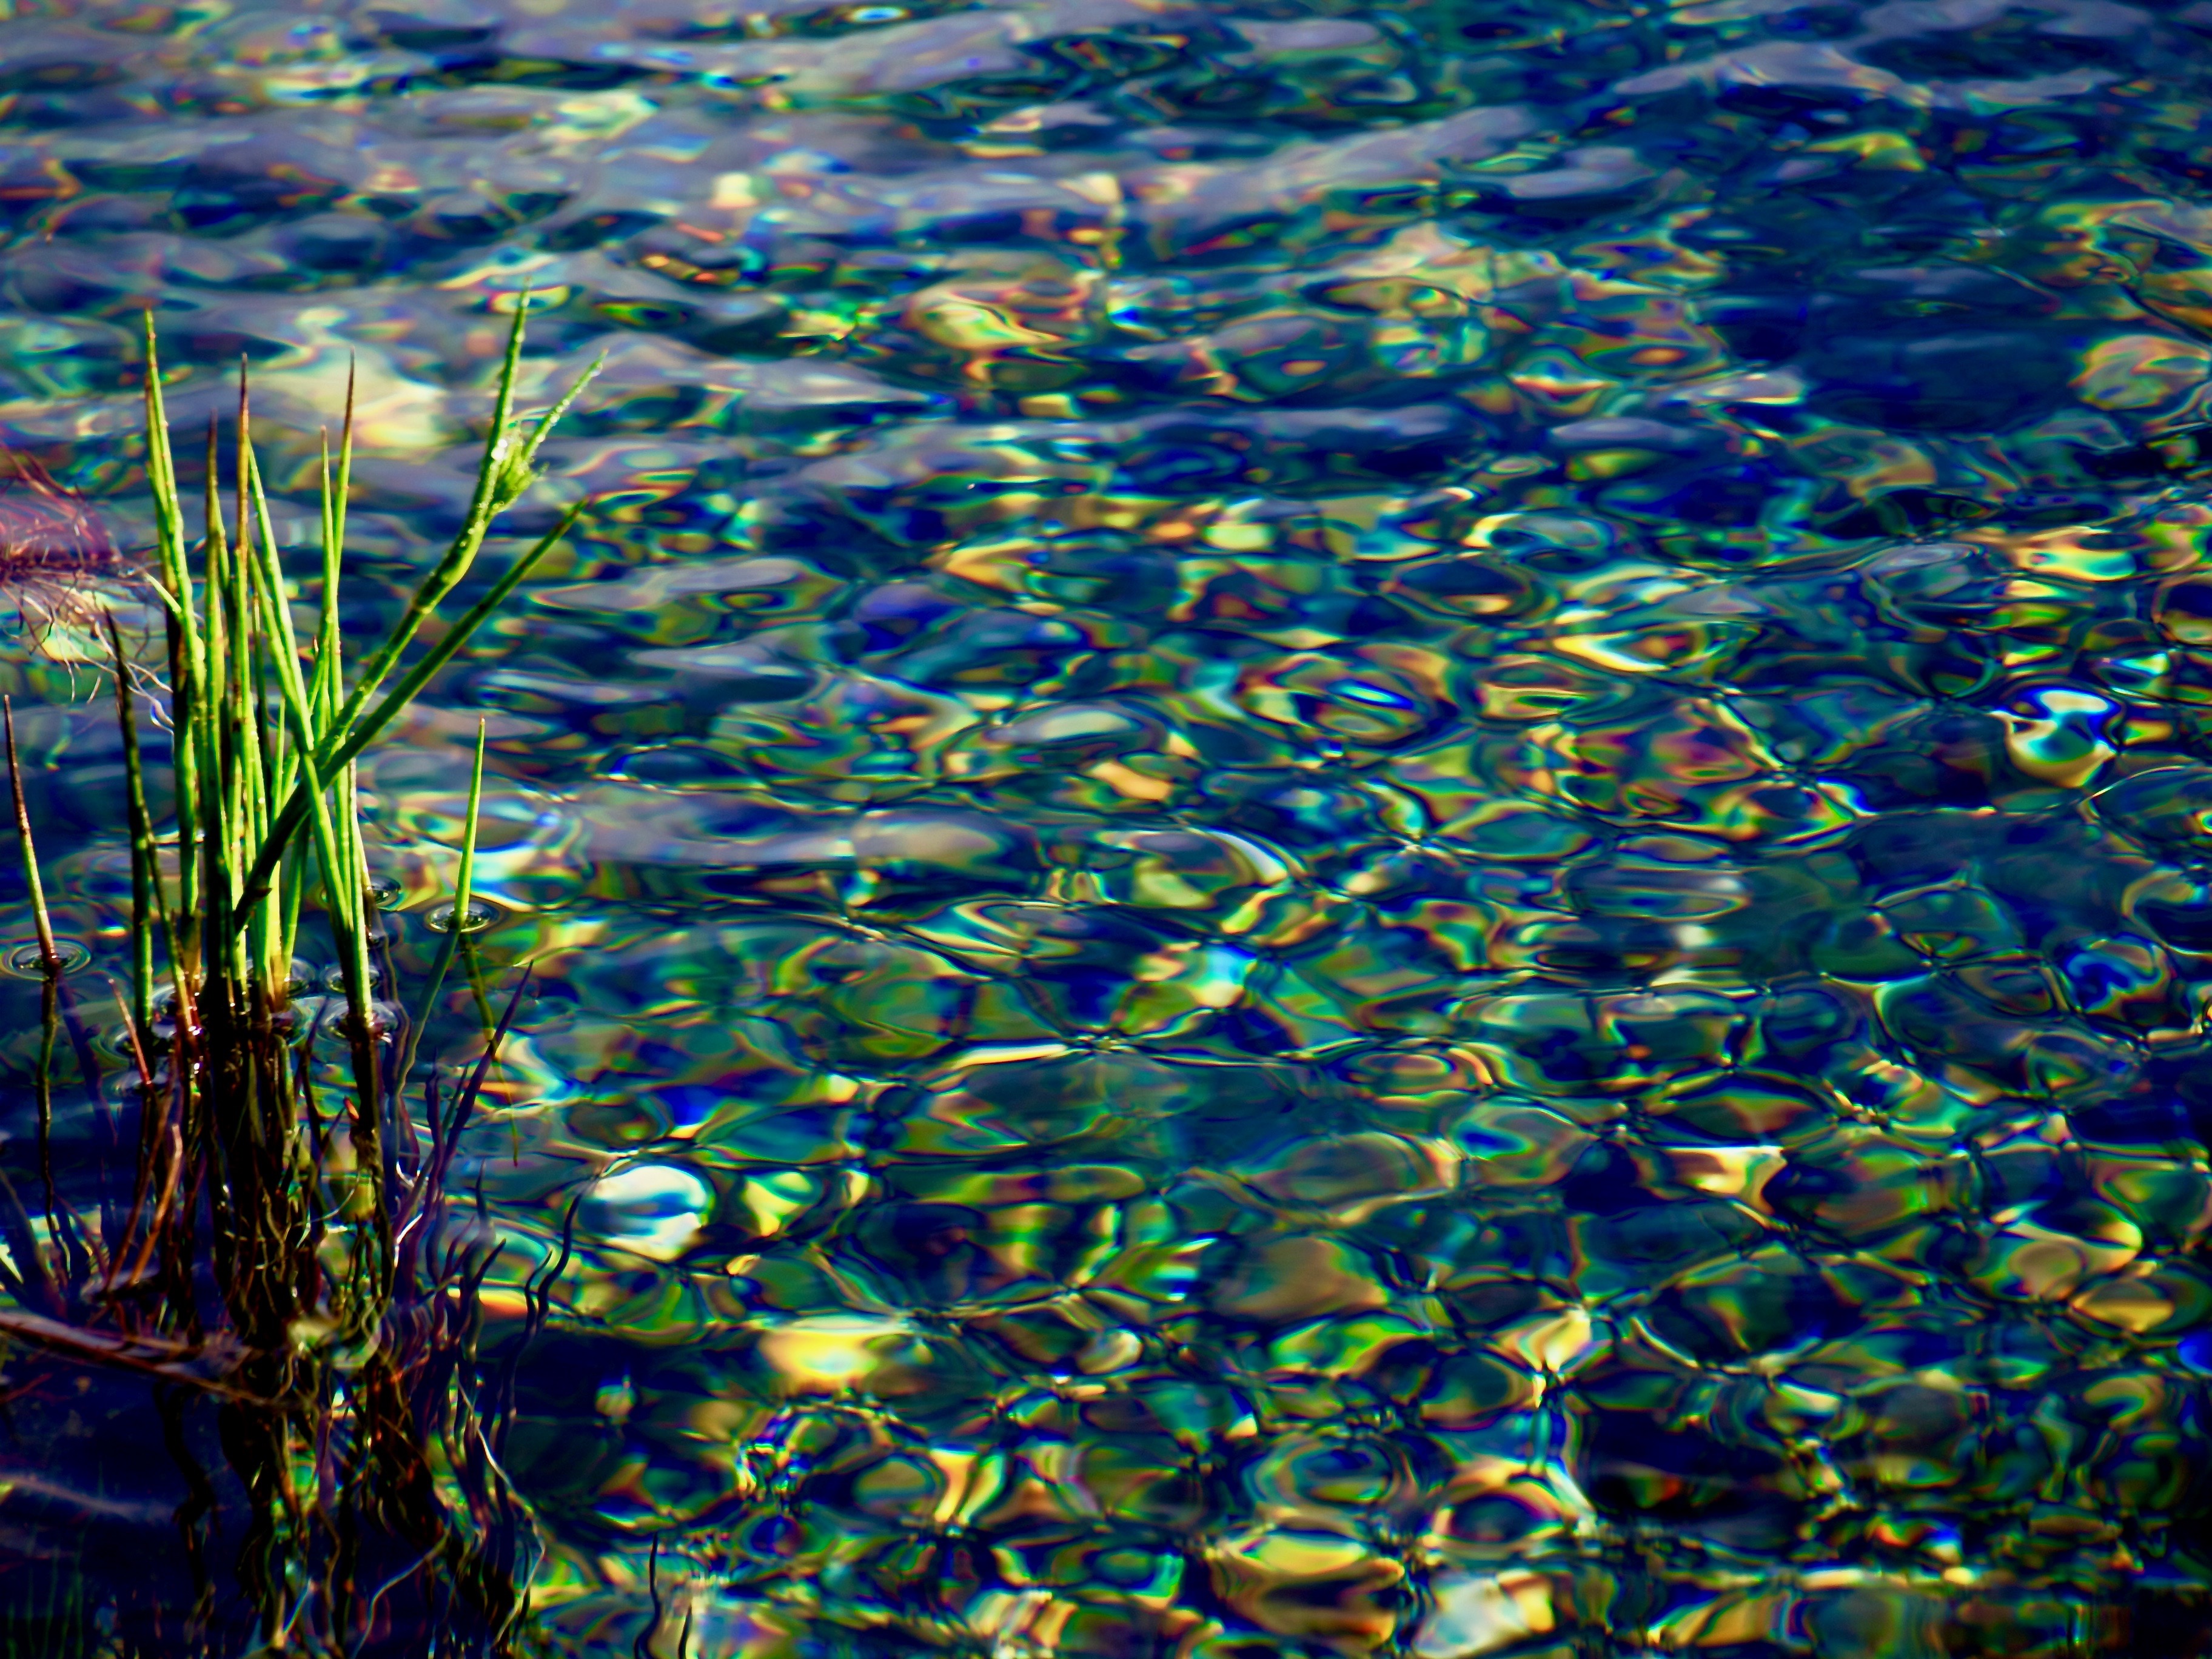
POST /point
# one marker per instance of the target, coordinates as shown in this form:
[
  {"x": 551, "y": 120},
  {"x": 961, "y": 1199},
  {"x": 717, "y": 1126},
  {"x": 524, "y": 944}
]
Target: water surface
[{"x": 1351, "y": 831}]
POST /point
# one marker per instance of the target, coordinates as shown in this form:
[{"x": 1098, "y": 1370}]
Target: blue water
[{"x": 1350, "y": 831}]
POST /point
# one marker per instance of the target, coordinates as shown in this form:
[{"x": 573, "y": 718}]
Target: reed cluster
[{"x": 285, "y": 1245}]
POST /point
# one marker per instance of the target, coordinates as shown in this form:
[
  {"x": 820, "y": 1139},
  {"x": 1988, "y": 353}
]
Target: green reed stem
[
  {"x": 187, "y": 659},
  {"x": 50, "y": 963},
  {"x": 338, "y": 850},
  {"x": 334, "y": 491},
  {"x": 49, "y": 957},
  {"x": 297, "y": 698},
  {"x": 463, "y": 888},
  {"x": 352, "y": 876},
  {"x": 147, "y": 898},
  {"x": 502, "y": 477},
  {"x": 371, "y": 725},
  {"x": 464, "y": 881},
  {"x": 209, "y": 712}
]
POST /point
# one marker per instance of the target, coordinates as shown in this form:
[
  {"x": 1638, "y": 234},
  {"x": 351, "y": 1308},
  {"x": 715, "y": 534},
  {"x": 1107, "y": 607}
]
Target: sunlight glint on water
[{"x": 1351, "y": 831}]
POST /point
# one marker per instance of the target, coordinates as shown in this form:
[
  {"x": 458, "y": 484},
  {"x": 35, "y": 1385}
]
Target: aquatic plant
[{"x": 293, "y": 1259}]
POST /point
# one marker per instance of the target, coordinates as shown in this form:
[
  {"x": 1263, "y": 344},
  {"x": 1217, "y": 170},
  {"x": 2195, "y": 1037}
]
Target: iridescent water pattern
[{"x": 1354, "y": 830}]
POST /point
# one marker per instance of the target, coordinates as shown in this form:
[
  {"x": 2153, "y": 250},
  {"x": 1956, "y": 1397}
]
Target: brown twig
[{"x": 150, "y": 1356}]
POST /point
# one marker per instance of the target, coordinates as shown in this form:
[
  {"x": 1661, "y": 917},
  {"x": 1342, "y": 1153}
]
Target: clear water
[{"x": 1353, "y": 830}]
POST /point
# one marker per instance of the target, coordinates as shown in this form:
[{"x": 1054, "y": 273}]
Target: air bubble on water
[{"x": 480, "y": 915}]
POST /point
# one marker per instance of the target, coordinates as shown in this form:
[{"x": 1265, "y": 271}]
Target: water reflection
[{"x": 1350, "y": 830}]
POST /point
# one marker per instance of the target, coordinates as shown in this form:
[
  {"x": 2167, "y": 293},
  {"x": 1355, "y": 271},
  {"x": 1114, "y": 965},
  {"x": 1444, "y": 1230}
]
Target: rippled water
[{"x": 1353, "y": 830}]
